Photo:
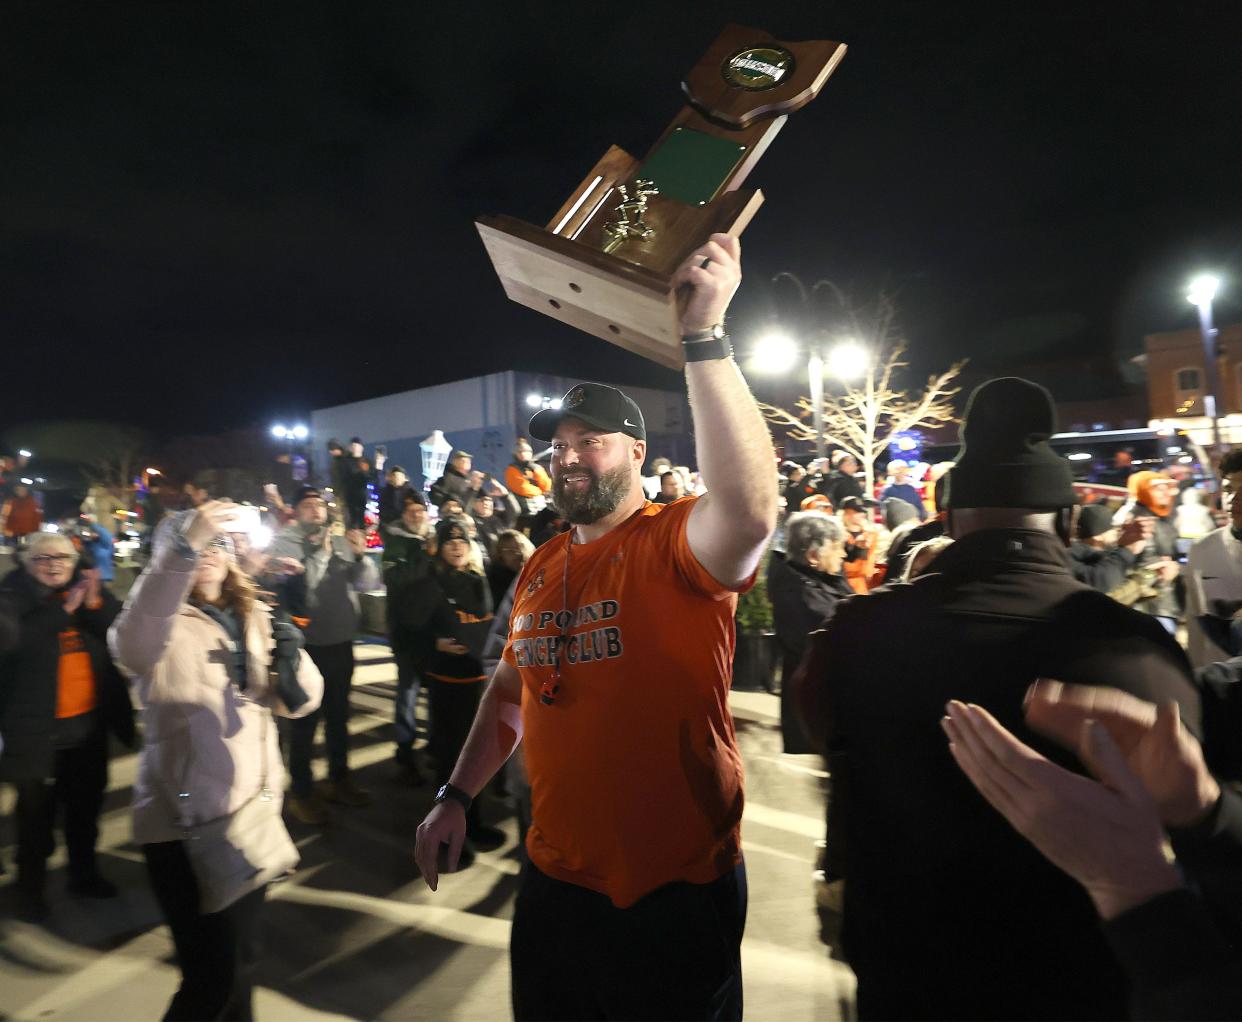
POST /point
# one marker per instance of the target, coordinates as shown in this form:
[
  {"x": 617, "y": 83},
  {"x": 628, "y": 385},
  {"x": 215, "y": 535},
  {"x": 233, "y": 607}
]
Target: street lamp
[
  {"x": 291, "y": 433},
  {"x": 777, "y": 352},
  {"x": 1200, "y": 294},
  {"x": 774, "y": 353},
  {"x": 848, "y": 361}
]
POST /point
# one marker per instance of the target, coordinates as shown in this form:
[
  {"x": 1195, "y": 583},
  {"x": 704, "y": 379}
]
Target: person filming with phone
[
  {"x": 210, "y": 668},
  {"x": 335, "y": 571}
]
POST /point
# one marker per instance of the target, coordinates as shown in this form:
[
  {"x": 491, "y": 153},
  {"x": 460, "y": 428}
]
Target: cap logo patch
[{"x": 575, "y": 397}]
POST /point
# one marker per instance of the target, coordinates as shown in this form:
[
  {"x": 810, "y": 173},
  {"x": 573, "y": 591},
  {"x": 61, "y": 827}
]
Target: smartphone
[{"x": 245, "y": 519}]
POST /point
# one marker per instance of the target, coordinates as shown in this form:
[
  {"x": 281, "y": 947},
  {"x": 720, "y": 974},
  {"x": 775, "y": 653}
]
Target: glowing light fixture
[
  {"x": 1203, "y": 289},
  {"x": 774, "y": 353},
  {"x": 848, "y": 360}
]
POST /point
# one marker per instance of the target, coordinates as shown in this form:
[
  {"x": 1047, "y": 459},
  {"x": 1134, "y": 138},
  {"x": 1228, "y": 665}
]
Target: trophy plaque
[{"x": 604, "y": 262}]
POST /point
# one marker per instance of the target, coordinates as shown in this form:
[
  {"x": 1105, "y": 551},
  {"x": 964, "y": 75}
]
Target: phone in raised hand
[{"x": 245, "y": 519}]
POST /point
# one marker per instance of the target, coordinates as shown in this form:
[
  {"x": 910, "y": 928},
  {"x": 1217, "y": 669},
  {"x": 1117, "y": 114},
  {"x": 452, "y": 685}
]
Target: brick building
[{"x": 1176, "y": 385}]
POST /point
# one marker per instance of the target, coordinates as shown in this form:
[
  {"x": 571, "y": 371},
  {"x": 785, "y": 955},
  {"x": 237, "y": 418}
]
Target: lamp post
[
  {"x": 847, "y": 360},
  {"x": 1202, "y": 290},
  {"x": 815, "y": 379}
]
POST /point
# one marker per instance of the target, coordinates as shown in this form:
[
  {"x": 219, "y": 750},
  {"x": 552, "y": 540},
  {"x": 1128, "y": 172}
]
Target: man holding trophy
[{"x": 616, "y": 679}]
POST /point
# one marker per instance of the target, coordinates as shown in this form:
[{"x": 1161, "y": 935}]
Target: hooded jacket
[
  {"x": 1161, "y": 546},
  {"x": 202, "y": 734}
]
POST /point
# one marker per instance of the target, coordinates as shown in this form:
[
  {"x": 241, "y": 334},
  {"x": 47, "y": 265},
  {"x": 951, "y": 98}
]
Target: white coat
[{"x": 201, "y": 734}]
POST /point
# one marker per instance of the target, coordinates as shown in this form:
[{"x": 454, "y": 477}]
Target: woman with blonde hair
[{"x": 209, "y": 668}]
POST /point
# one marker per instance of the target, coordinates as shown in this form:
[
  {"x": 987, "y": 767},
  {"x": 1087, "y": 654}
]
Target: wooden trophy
[{"x": 604, "y": 262}]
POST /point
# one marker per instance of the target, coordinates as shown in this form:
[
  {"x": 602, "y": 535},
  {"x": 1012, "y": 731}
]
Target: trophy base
[
  {"x": 622, "y": 302},
  {"x": 628, "y": 305}
]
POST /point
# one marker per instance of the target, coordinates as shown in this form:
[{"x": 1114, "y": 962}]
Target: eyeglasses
[{"x": 46, "y": 559}]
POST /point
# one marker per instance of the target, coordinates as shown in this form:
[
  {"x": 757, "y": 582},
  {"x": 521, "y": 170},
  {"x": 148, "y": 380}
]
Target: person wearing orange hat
[
  {"x": 817, "y": 502},
  {"x": 1154, "y": 495}
]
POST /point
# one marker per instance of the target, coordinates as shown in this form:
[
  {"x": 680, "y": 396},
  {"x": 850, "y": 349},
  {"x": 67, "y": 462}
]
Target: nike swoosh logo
[{"x": 632, "y": 425}]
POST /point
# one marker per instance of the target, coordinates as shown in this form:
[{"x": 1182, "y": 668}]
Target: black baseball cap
[{"x": 603, "y": 407}]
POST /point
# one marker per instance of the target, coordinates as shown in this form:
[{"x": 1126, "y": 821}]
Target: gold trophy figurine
[{"x": 623, "y": 228}]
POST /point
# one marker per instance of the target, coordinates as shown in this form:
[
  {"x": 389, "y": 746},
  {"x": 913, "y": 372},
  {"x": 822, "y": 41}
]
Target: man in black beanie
[
  {"x": 1106, "y": 556},
  {"x": 949, "y": 913}
]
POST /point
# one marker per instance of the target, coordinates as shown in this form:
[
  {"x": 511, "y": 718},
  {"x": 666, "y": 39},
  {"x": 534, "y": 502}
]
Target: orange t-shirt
[
  {"x": 636, "y": 779},
  {"x": 75, "y": 679}
]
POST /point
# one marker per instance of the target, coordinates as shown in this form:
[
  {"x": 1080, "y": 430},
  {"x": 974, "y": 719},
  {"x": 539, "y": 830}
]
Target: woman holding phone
[{"x": 209, "y": 669}]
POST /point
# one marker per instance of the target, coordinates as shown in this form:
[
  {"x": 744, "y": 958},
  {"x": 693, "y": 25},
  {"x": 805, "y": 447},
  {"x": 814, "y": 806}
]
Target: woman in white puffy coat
[{"x": 209, "y": 669}]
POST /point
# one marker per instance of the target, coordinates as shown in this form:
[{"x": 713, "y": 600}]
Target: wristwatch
[
  {"x": 707, "y": 345},
  {"x": 451, "y": 791}
]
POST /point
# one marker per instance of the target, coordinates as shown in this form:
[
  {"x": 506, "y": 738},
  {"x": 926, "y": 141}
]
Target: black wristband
[
  {"x": 710, "y": 349},
  {"x": 451, "y": 791}
]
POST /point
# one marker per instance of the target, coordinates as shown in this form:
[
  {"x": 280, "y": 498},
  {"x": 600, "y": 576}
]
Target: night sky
[{"x": 213, "y": 214}]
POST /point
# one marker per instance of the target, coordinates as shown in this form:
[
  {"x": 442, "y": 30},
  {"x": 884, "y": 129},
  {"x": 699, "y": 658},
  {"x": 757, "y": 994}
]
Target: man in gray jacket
[{"x": 332, "y": 572}]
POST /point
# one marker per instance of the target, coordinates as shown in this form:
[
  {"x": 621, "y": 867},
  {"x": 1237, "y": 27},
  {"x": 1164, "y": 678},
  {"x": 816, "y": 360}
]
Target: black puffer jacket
[{"x": 31, "y": 620}]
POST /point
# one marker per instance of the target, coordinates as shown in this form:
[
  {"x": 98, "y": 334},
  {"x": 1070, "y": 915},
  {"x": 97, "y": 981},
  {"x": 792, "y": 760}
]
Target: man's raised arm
[{"x": 730, "y": 525}]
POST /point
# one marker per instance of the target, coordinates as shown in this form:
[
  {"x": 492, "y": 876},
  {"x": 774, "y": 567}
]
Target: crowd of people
[{"x": 1032, "y": 808}]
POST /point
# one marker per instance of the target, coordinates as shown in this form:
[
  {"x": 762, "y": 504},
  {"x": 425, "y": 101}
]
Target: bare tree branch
[{"x": 864, "y": 415}]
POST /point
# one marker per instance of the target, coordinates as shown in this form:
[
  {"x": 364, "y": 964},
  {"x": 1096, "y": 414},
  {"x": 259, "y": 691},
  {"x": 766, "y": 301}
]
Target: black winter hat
[
  {"x": 304, "y": 493},
  {"x": 451, "y": 528},
  {"x": 1005, "y": 459},
  {"x": 1094, "y": 520}
]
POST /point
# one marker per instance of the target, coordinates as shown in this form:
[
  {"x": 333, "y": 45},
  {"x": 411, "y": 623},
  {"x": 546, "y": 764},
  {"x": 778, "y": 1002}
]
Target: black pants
[
  {"x": 674, "y": 954},
  {"x": 217, "y": 952},
  {"x": 336, "y": 664},
  {"x": 78, "y": 784},
  {"x": 452, "y": 706}
]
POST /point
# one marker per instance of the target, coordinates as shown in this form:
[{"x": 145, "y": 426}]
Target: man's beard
[{"x": 602, "y": 496}]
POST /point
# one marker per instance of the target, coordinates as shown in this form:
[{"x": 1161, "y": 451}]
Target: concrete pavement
[{"x": 356, "y": 934}]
